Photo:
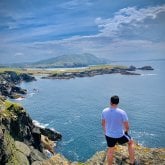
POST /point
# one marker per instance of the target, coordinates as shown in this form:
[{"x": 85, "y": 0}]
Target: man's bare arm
[
  {"x": 103, "y": 124},
  {"x": 126, "y": 126}
]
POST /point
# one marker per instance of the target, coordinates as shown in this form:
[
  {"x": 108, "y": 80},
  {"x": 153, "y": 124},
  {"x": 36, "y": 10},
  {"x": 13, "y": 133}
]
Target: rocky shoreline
[
  {"x": 9, "y": 81},
  {"x": 24, "y": 143},
  {"x": 93, "y": 71}
]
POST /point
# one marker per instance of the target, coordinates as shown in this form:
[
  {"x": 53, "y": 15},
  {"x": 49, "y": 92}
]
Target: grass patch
[
  {"x": 88, "y": 69},
  {"x": 10, "y": 109}
]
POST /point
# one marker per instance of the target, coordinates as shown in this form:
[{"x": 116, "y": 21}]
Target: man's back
[
  {"x": 114, "y": 119},
  {"x": 115, "y": 123}
]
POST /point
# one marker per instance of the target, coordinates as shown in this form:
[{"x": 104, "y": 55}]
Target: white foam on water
[
  {"x": 74, "y": 154},
  {"x": 69, "y": 141},
  {"x": 149, "y": 74},
  {"x": 38, "y": 124},
  {"x": 31, "y": 94},
  {"x": 48, "y": 153},
  {"x": 20, "y": 98}
]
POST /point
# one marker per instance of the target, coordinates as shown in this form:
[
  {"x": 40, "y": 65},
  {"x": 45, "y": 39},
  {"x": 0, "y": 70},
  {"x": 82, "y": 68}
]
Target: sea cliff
[
  {"x": 9, "y": 81},
  {"x": 21, "y": 142}
]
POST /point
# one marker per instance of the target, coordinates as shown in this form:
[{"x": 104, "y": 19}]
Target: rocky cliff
[
  {"x": 9, "y": 81},
  {"x": 144, "y": 156},
  {"x": 21, "y": 142}
]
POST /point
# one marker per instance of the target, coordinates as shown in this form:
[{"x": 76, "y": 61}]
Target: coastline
[{"x": 99, "y": 158}]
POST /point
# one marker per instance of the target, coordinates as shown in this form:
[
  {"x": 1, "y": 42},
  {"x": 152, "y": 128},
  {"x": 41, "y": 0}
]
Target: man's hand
[{"x": 126, "y": 133}]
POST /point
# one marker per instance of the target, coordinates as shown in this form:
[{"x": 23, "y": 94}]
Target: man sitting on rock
[{"x": 114, "y": 120}]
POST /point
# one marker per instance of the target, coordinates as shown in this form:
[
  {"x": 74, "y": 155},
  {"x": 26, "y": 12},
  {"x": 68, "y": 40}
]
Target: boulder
[
  {"x": 36, "y": 155},
  {"x": 27, "y": 77},
  {"x": 22, "y": 147},
  {"x": 19, "y": 90},
  {"x": 21, "y": 158},
  {"x": 37, "y": 163},
  {"x": 51, "y": 134},
  {"x": 48, "y": 144},
  {"x": 57, "y": 159},
  {"x": 131, "y": 68}
]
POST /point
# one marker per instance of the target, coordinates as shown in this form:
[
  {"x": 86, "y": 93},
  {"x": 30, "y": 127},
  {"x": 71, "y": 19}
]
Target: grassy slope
[{"x": 45, "y": 71}]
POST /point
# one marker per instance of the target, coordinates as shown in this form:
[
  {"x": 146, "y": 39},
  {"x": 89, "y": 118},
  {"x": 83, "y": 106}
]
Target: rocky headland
[
  {"x": 22, "y": 142},
  {"x": 96, "y": 70},
  {"x": 9, "y": 81}
]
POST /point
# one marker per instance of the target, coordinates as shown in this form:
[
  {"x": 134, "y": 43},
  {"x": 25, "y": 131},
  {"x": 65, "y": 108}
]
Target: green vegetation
[
  {"x": 91, "y": 68},
  {"x": 59, "y": 71},
  {"x": 71, "y": 60},
  {"x": 10, "y": 109},
  {"x": 64, "y": 61},
  {"x": 28, "y": 71},
  {"x": 17, "y": 70},
  {"x": 11, "y": 149}
]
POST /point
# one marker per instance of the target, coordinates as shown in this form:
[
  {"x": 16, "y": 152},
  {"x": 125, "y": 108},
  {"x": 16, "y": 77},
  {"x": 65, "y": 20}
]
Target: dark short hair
[{"x": 115, "y": 99}]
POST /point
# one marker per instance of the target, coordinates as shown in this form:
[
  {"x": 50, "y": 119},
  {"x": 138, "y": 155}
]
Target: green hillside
[{"x": 72, "y": 60}]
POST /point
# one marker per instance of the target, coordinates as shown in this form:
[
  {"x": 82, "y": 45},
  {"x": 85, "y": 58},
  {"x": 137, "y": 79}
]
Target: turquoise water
[{"x": 73, "y": 107}]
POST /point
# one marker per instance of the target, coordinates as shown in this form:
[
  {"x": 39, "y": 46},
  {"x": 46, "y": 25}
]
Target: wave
[
  {"x": 20, "y": 98},
  {"x": 149, "y": 74},
  {"x": 69, "y": 141},
  {"x": 141, "y": 136},
  {"x": 31, "y": 94},
  {"x": 38, "y": 124},
  {"x": 68, "y": 122},
  {"x": 143, "y": 133},
  {"x": 48, "y": 153},
  {"x": 74, "y": 155}
]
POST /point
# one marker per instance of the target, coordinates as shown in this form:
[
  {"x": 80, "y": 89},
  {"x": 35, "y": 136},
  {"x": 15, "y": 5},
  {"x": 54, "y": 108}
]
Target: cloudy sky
[{"x": 31, "y": 30}]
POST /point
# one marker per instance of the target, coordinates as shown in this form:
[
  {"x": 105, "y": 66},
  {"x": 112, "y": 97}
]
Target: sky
[{"x": 32, "y": 30}]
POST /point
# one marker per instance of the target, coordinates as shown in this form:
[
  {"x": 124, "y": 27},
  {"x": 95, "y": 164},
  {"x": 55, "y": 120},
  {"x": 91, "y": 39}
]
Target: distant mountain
[{"x": 72, "y": 60}]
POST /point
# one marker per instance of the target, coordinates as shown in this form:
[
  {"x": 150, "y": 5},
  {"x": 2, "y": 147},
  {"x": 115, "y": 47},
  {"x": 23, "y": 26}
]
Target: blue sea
[{"x": 73, "y": 107}]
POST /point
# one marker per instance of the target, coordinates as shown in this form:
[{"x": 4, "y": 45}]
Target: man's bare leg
[
  {"x": 131, "y": 151},
  {"x": 110, "y": 155}
]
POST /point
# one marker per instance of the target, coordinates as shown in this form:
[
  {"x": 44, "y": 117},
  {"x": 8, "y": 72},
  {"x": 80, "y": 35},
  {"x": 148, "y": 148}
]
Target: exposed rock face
[
  {"x": 144, "y": 156},
  {"x": 8, "y": 82},
  {"x": 20, "y": 139}
]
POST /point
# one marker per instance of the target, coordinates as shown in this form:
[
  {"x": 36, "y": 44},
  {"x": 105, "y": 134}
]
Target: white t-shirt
[{"x": 114, "y": 119}]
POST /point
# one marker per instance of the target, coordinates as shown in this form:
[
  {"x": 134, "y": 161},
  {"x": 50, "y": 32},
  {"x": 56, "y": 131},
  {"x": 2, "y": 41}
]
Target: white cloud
[
  {"x": 105, "y": 43},
  {"x": 72, "y": 4},
  {"x": 19, "y": 54},
  {"x": 125, "y": 17}
]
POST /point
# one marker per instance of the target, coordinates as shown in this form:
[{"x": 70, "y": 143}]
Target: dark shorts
[{"x": 111, "y": 142}]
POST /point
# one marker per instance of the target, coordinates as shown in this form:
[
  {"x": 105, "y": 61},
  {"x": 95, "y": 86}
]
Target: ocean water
[{"x": 73, "y": 107}]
